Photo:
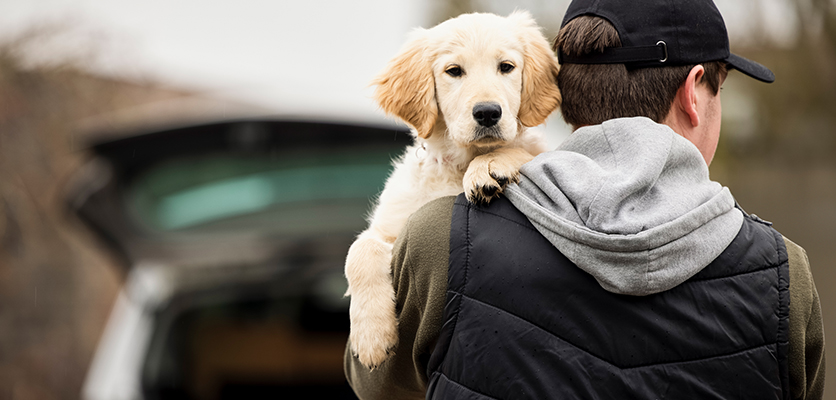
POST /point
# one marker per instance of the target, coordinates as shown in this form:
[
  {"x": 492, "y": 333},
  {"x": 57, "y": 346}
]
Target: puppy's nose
[{"x": 487, "y": 114}]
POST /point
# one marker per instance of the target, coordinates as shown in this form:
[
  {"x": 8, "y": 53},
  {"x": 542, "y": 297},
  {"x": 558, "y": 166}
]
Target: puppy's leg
[
  {"x": 374, "y": 323},
  {"x": 372, "y": 308},
  {"x": 488, "y": 174}
]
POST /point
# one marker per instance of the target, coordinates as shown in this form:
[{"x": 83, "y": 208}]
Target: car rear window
[{"x": 299, "y": 191}]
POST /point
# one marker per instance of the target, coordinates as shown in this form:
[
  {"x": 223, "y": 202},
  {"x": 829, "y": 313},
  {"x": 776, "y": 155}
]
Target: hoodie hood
[{"x": 631, "y": 203}]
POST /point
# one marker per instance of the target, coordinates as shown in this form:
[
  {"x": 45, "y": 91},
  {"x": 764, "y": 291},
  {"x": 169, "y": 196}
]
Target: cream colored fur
[{"x": 452, "y": 152}]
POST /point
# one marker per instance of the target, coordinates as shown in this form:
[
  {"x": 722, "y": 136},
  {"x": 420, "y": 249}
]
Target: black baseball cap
[{"x": 658, "y": 33}]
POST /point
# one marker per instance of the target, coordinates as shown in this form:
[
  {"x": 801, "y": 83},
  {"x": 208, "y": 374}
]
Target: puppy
[{"x": 468, "y": 88}]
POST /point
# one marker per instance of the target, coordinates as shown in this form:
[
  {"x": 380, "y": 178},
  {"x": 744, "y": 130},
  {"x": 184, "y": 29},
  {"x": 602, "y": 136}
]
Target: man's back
[{"x": 521, "y": 321}]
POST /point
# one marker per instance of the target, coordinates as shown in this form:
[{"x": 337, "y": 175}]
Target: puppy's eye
[
  {"x": 454, "y": 70},
  {"x": 506, "y": 67}
]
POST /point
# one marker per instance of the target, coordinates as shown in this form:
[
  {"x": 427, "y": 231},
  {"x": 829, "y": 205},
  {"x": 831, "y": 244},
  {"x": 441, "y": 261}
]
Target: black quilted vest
[{"x": 522, "y": 322}]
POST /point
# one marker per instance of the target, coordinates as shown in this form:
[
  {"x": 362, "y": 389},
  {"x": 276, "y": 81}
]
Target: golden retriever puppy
[{"x": 468, "y": 88}]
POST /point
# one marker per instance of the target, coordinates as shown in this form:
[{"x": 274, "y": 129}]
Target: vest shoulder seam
[{"x": 470, "y": 207}]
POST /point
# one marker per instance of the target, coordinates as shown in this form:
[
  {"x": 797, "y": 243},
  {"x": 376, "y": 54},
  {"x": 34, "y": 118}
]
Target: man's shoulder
[
  {"x": 801, "y": 276},
  {"x": 425, "y": 240},
  {"x": 420, "y": 259},
  {"x": 796, "y": 253}
]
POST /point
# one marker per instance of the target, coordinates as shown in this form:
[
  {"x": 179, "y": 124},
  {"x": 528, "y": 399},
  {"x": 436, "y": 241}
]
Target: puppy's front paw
[
  {"x": 485, "y": 188},
  {"x": 487, "y": 176},
  {"x": 374, "y": 325},
  {"x": 374, "y": 333}
]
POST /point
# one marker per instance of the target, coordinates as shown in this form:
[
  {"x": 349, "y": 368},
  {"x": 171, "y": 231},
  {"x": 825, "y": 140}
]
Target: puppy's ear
[
  {"x": 406, "y": 87},
  {"x": 540, "y": 96}
]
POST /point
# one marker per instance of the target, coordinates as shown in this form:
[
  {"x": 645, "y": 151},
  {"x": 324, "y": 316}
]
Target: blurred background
[{"x": 117, "y": 118}]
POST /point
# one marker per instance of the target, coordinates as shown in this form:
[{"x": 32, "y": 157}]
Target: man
[{"x": 615, "y": 268}]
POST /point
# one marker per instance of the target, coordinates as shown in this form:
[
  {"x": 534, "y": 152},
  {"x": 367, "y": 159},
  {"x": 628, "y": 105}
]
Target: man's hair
[{"x": 594, "y": 93}]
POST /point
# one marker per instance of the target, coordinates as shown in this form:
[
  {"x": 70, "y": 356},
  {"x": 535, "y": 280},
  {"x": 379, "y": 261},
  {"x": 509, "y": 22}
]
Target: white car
[{"x": 233, "y": 236}]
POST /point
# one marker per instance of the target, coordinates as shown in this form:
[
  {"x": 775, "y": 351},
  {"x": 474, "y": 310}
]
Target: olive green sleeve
[
  {"x": 419, "y": 274},
  {"x": 806, "y": 350}
]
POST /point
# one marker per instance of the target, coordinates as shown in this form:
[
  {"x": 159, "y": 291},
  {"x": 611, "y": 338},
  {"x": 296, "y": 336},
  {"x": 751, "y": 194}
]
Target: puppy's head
[{"x": 486, "y": 75}]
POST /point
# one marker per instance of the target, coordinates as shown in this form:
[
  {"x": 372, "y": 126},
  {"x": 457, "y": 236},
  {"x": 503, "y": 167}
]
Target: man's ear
[
  {"x": 406, "y": 87},
  {"x": 687, "y": 97}
]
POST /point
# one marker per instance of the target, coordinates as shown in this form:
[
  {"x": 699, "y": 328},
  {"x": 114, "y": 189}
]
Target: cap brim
[{"x": 751, "y": 68}]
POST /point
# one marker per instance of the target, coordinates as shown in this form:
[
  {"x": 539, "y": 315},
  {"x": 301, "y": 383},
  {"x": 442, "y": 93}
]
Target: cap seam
[
  {"x": 619, "y": 27},
  {"x": 678, "y": 27}
]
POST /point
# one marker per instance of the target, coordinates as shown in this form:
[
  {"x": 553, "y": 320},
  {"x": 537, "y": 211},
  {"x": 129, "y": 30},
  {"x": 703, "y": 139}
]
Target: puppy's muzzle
[{"x": 487, "y": 114}]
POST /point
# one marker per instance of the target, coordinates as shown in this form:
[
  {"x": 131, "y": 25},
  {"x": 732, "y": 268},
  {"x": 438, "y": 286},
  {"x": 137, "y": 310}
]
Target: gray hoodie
[{"x": 631, "y": 203}]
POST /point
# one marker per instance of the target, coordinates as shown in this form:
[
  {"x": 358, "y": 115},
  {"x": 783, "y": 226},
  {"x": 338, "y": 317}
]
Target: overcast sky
[
  {"x": 284, "y": 55},
  {"x": 280, "y": 54}
]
